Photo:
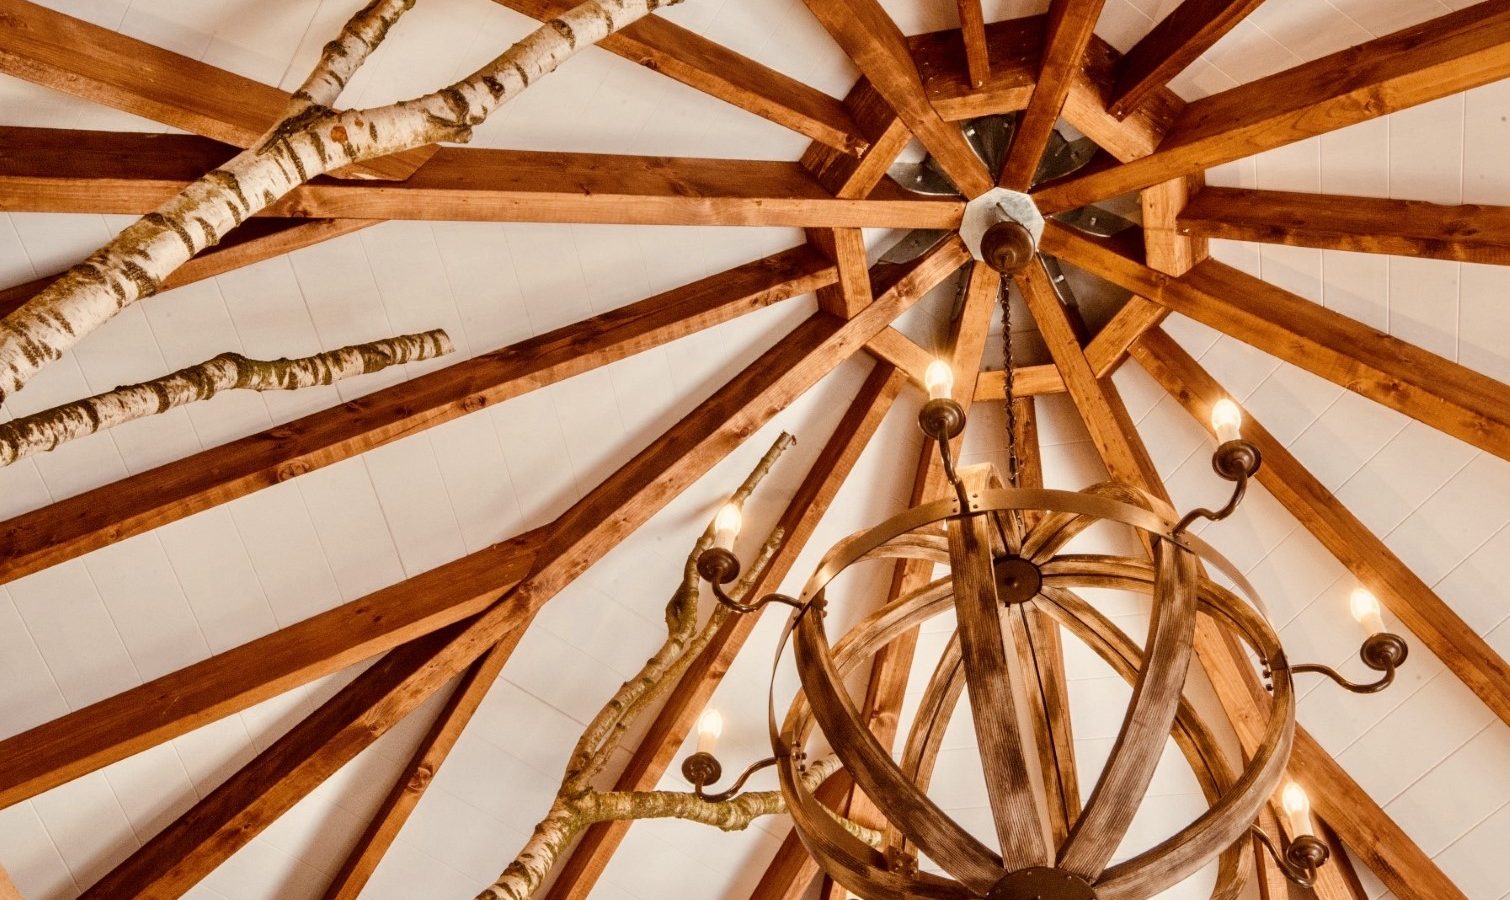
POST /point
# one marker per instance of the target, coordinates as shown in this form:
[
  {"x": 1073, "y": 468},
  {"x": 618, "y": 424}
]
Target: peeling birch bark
[
  {"x": 313, "y": 139},
  {"x": 43, "y": 431}
]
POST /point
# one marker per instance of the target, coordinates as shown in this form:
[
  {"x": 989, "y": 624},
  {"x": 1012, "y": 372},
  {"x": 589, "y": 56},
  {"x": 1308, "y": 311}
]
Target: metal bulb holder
[
  {"x": 1382, "y": 652},
  {"x": 942, "y": 419},
  {"x": 1235, "y": 461},
  {"x": 1301, "y": 857}
]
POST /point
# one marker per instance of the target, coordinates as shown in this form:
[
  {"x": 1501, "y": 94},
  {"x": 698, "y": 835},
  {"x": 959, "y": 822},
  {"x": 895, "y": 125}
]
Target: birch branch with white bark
[
  {"x": 312, "y": 140},
  {"x": 45, "y": 430}
]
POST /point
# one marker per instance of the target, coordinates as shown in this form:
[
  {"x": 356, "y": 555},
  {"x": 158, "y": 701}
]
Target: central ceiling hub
[{"x": 994, "y": 207}]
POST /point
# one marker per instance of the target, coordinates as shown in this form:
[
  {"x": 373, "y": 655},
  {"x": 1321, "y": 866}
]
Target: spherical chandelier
[{"x": 1004, "y": 547}]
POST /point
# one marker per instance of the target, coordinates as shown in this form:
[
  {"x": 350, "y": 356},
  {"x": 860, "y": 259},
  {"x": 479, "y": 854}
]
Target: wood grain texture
[
  {"x": 251, "y": 243},
  {"x": 872, "y": 40},
  {"x": 1189, "y": 30},
  {"x": 972, "y": 25},
  {"x": 1444, "y": 56},
  {"x": 896, "y": 348},
  {"x": 1105, "y": 353},
  {"x": 412, "y": 781},
  {"x": 1067, "y": 35},
  {"x": 1167, "y": 247},
  {"x": 55, "y": 50},
  {"x": 850, "y": 176},
  {"x": 1014, "y": 49},
  {"x": 163, "y": 708},
  {"x": 114, "y": 512},
  {"x": 1469, "y": 233},
  {"x": 52, "y": 170},
  {"x": 1445, "y": 395},
  {"x": 686, "y": 56},
  {"x": 1442, "y": 630},
  {"x": 845, "y": 247}
]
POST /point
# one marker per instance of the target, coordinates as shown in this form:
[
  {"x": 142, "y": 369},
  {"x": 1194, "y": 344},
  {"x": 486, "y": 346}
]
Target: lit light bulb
[
  {"x": 1297, "y": 809},
  {"x": 939, "y": 379},
  {"x": 726, "y": 526},
  {"x": 1365, "y": 608},
  {"x": 709, "y": 726},
  {"x": 1226, "y": 420}
]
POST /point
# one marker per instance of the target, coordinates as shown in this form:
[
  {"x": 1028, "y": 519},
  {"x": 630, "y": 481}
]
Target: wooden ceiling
[{"x": 464, "y": 617}]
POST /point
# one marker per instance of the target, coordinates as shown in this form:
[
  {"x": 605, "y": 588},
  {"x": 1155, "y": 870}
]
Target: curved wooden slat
[{"x": 1140, "y": 743}]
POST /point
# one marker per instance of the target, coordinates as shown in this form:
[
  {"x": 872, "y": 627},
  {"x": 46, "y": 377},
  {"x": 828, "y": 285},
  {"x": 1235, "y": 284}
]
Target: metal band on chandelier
[{"x": 996, "y": 564}]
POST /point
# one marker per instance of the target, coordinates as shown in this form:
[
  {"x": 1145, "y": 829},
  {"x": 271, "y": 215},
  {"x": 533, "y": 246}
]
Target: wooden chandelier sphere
[{"x": 996, "y": 571}]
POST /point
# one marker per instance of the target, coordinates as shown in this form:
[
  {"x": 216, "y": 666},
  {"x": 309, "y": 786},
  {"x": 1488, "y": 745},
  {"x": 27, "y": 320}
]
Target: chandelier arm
[
  {"x": 1239, "y": 490},
  {"x": 1304, "y": 876},
  {"x": 733, "y": 790},
  {"x": 1371, "y": 687}
]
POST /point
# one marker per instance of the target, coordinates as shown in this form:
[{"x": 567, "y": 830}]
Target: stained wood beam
[
  {"x": 845, "y": 247},
  {"x": 1016, "y": 52},
  {"x": 1167, "y": 247},
  {"x": 1442, "y": 630},
  {"x": 174, "y": 704},
  {"x": 792, "y": 869},
  {"x": 879, "y": 50},
  {"x": 1469, "y": 233},
  {"x": 686, "y": 56},
  {"x": 851, "y": 177},
  {"x": 251, "y": 242},
  {"x": 236, "y": 812},
  {"x": 1335, "y": 796},
  {"x": 68, "y": 529},
  {"x": 1189, "y": 30},
  {"x": 1066, "y": 37},
  {"x": 1106, "y": 351},
  {"x": 412, "y": 781},
  {"x": 674, "y": 722},
  {"x": 1444, "y": 56},
  {"x": 1447, "y": 396},
  {"x": 972, "y": 25},
  {"x": 55, "y": 50},
  {"x": 52, "y": 170}
]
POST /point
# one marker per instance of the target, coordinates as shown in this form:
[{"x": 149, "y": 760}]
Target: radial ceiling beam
[
  {"x": 865, "y": 32},
  {"x": 179, "y": 702},
  {"x": 1441, "y": 629},
  {"x": 686, "y": 56},
  {"x": 53, "y": 170},
  {"x": 649, "y": 760},
  {"x": 55, "y": 50},
  {"x": 851, "y": 177},
  {"x": 1469, "y": 233},
  {"x": 1189, "y": 30},
  {"x": 250, "y": 243},
  {"x": 225, "y": 820},
  {"x": 1445, "y": 395},
  {"x": 67, "y": 529},
  {"x": 1067, "y": 35},
  {"x": 972, "y": 26},
  {"x": 1435, "y": 59}
]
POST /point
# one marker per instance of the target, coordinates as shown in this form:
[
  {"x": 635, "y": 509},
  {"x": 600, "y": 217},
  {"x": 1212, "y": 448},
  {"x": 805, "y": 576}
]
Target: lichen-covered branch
[
  {"x": 313, "y": 140},
  {"x": 45, "y": 430}
]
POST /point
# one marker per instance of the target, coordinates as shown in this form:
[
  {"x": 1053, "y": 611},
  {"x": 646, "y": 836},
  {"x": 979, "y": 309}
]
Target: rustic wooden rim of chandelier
[{"x": 1220, "y": 830}]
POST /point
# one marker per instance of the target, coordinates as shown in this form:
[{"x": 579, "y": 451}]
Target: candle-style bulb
[
  {"x": 709, "y": 726},
  {"x": 1297, "y": 808},
  {"x": 1365, "y": 609},
  {"x": 726, "y": 526},
  {"x": 939, "y": 378},
  {"x": 1226, "y": 421}
]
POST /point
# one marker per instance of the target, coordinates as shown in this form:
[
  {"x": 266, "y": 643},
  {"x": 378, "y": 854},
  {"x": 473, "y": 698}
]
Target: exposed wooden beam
[
  {"x": 675, "y": 720},
  {"x": 1435, "y": 59},
  {"x": 1441, "y": 629},
  {"x": 7, "y": 887},
  {"x": 663, "y": 46},
  {"x": 49, "y": 48},
  {"x": 52, "y": 170},
  {"x": 865, "y": 32},
  {"x": 892, "y": 346},
  {"x": 114, "y": 512},
  {"x": 236, "y": 812},
  {"x": 846, "y": 248},
  {"x": 972, "y": 26},
  {"x": 852, "y": 177},
  {"x": 1443, "y": 394},
  {"x": 792, "y": 870},
  {"x": 1469, "y": 233},
  {"x": 1335, "y": 796},
  {"x": 1016, "y": 50},
  {"x": 251, "y": 242},
  {"x": 384, "y": 826},
  {"x": 1189, "y": 30},
  {"x": 166, "y": 707},
  {"x": 1067, "y": 35},
  {"x": 1168, "y": 248}
]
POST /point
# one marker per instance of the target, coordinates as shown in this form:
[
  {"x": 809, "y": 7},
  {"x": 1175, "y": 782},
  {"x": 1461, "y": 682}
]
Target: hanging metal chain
[{"x": 1009, "y": 377}]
